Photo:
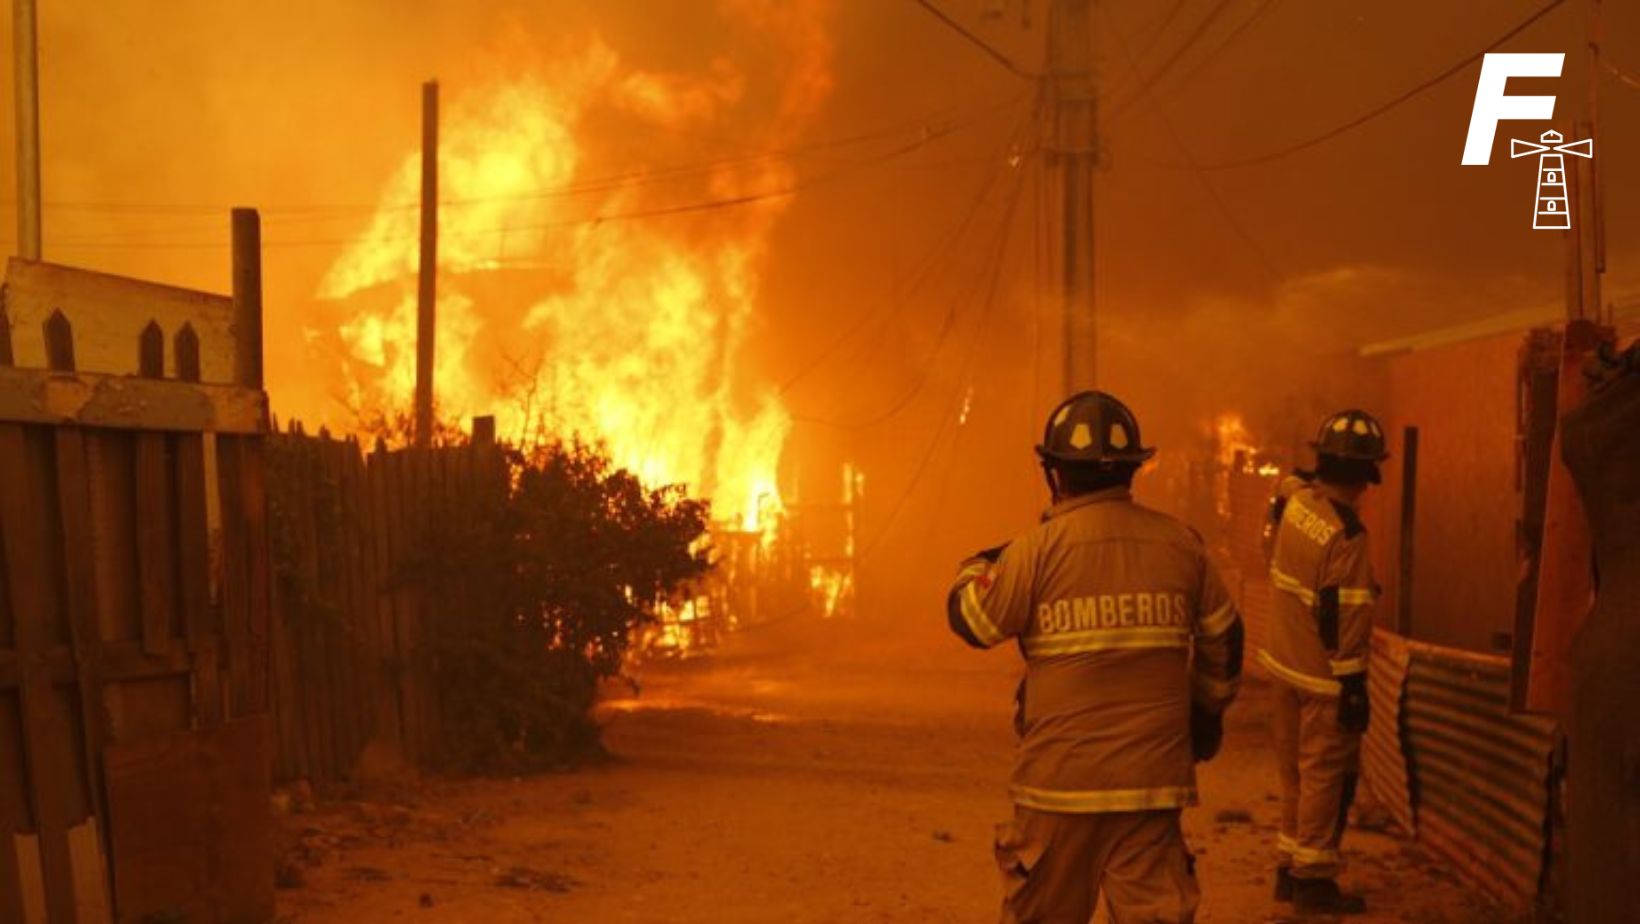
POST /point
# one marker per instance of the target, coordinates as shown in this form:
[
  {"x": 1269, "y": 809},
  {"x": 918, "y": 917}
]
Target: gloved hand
[
  {"x": 1354, "y": 709},
  {"x": 1206, "y": 733},
  {"x": 991, "y": 554}
]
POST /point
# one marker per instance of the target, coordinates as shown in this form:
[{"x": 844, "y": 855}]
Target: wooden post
[
  {"x": 1409, "y": 509},
  {"x": 426, "y": 288},
  {"x": 247, "y": 297}
]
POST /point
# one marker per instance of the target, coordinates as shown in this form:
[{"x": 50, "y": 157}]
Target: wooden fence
[
  {"x": 133, "y": 601},
  {"x": 351, "y": 676}
]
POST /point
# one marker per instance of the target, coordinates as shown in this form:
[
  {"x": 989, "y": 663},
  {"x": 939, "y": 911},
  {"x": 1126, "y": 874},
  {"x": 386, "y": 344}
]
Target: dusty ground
[{"x": 770, "y": 787}]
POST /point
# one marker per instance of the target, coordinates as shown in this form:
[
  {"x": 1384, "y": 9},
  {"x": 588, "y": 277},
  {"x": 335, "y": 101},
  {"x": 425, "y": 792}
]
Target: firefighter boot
[
  {"x": 1284, "y": 884},
  {"x": 1322, "y": 896}
]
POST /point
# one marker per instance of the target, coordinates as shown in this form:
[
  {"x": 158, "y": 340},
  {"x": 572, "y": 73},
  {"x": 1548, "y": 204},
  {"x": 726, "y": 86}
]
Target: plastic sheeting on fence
[{"x": 1477, "y": 777}]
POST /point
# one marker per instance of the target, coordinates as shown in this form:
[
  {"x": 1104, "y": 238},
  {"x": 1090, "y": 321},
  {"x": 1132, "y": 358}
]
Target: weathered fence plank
[
  {"x": 47, "y": 742},
  {"x": 155, "y": 550},
  {"x": 389, "y": 703}
]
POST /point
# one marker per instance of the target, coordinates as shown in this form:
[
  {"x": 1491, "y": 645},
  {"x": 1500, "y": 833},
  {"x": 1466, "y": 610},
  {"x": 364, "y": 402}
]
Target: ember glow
[{"x": 561, "y": 318}]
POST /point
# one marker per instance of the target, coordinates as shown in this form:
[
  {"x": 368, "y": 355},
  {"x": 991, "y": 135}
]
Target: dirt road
[{"x": 767, "y": 787}]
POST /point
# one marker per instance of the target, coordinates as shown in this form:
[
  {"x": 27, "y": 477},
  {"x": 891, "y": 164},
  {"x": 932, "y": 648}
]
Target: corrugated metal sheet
[
  {"x": 1479, "y": 775},
  {"x": 1383, "y": 755}
]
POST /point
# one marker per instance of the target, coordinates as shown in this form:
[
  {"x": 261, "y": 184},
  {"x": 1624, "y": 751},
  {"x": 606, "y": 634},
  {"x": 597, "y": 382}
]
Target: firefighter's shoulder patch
[{"x": 1350, "y": 518}]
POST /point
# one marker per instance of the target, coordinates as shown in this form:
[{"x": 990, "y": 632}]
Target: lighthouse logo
[{"x": 1552, "y": 206}]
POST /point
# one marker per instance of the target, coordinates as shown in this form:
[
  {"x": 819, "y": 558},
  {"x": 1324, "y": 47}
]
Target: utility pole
[
  {"x": 26, "y": 80},
  {"x": 426, "y": 288},
  {"x": 1073, "y": 147},
  {"x": 1594, "y": 215},
  {"x": 1564, "y": 585}
]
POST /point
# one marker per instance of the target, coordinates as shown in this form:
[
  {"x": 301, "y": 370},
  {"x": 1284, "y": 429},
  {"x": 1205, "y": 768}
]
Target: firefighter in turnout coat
[
  {"x": 1132, "y": 652},
  {"x": 1316, "y": 654}
]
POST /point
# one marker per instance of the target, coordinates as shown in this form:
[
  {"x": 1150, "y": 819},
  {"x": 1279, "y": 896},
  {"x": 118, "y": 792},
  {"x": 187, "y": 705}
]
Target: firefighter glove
[
  {"x": 1353, "y": 706},
  {"x": 1206, "y": 733}
]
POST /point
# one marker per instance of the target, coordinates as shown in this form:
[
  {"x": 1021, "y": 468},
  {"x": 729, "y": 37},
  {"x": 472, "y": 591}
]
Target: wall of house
[{"x": 1462, "y": 398}]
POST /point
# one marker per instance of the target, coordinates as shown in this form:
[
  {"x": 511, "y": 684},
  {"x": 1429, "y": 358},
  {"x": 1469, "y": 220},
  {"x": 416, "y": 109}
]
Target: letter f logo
[{"x": 1492, "y": 105}]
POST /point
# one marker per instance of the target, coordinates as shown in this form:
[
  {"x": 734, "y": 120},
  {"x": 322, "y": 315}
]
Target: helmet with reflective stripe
[
  {"x": 1351, "y": 434},
  {"x": 1091, "y": 428}
]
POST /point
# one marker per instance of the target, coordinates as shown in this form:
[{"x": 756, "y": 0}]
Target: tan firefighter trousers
[
  {"x": 1054, "y": 866},
  {"x": 1320, "y": 763}
]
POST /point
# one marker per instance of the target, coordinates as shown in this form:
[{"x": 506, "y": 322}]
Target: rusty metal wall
[{"x": 1479, "y": 775}]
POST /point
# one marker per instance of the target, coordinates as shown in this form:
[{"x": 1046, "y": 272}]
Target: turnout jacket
[
  {"x": 1123, "y": 623},
  {"x": 1321, "y": 568}
]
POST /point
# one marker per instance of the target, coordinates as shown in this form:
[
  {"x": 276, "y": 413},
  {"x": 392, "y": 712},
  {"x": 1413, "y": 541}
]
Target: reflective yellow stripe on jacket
[
  {"x": 1064, "y": 643},
  {"x": 1219, "y": 621},
  {"x": 1292, "y": 585},
  {"x": 1347, "y": 596},
  {"x": 973, "y": 611},
  {"x": 1214, "y": 689},
  {"x": 1297, "y": 678},
  {"x": 1347, "y": 666},
  {"x": 1104, "y": 800}
]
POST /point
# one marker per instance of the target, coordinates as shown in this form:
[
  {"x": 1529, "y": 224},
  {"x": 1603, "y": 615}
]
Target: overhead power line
[
  {"x": 1624, "y": 77},
  {"x": 959, "y": 388},
  {"x": 924, "y": 271},
  {"x": 1382, "y": 108},
  {"x": 1161, "y": 29},
  {"x": 1196, "y": 35},
  {"x": 948, "y": 326},
  {"x": 1201, "y": 63},
  {"x": 989, "y": 50},
  {"x": 1213, "y": 195},
  {"x": 341, "y": 210},
  {"x": 707, "y": 205}
]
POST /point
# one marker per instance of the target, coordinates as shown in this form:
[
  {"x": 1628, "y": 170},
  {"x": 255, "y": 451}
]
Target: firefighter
[
  {"x": 1132, "y": 652},
  {"x": 1317, "y": 652}
]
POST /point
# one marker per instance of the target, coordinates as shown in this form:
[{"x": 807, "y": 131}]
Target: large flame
[{"x": 562, "y": 312}]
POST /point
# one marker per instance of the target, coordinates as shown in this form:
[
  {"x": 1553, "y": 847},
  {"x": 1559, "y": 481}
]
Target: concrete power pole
[
  {"x": 426, "y": 288},
  {"x": 26, "y": 79},
  {"x": 1073, "y": 145}
]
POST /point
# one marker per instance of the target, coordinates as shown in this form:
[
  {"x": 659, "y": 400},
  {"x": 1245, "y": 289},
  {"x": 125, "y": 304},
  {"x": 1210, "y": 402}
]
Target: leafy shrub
[{"x": 531, "y": 594}]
